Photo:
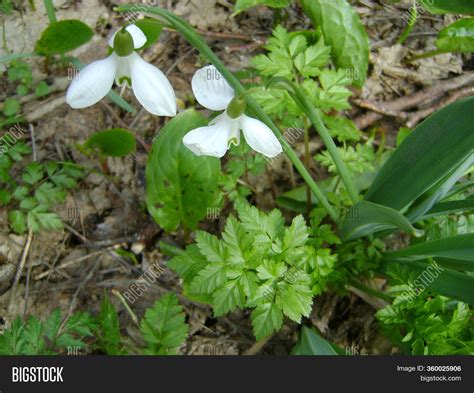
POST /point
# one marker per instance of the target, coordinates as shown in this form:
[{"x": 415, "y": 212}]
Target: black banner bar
[{"x": 263, "y": 374}]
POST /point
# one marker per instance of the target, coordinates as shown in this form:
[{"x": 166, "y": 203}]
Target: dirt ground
[{"x": 71, "y": 269}]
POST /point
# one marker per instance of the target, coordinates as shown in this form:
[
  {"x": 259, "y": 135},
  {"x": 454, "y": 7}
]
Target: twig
[
  {"x": 21, "y": 265},
  {"x": 415, "y": 118},
  {"x": 423, "y": 97},
  {"x": 117, "y": 293},
  {"x": 258, "y": 346}
]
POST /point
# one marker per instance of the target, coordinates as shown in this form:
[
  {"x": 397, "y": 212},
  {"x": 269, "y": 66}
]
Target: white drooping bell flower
[
  {"x": 124, "y": 65},
  {"x": 213, "y": 92}
]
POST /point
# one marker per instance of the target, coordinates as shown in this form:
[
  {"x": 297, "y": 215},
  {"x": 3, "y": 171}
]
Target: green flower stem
[
  {"x": 50, "y": 10},
  {"x": 411, "y": 23},
  {"x": 198, "y": 42},
  {"x": 315, "y": 118}
]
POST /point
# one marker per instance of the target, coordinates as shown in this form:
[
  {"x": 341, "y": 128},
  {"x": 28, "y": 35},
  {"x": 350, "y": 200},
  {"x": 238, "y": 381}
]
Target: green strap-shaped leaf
[
  {"x": 366, "y": 218},
  {"x": 311, "y": 343},
  {"x": 344, "y": 32},
  {"x": 456, "y": 252},
  {"x": 425, "y": 276},
  {"x": 181, "y": 186},
  {"x": 433, "y": 157},
  {"x": 449, "y": 6},
  {"x": 443, "y": 208}
]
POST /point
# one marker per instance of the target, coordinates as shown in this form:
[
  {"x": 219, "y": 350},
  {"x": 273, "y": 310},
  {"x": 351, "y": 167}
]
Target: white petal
[
  {"x": 211, "y": 89},
  {"x": 123, "y": 70},
  {"x": 211, "y": 140},
  {"x": 260, "y": 137},
  {"x": 151, "y": 87},
  {"x": 138, "y": 36},
  {"x": 93, "y": 83}
]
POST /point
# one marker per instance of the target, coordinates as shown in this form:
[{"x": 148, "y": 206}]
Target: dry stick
[
  {"x": 117, "y": 293},
  {"x": 21, "y": 266},
  {"x": 258, "y": 346},
  {"x": 72, "y": 262},
  {"x": 415, "y": 118},
  {"x": 29, "y": 238},
  {"x": 425, "y": 96}
]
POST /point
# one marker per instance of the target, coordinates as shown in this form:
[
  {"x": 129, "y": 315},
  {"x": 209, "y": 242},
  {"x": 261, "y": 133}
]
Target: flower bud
[
  {"x": 123, "y": 43},
  {"x": 236, "y": 108}
]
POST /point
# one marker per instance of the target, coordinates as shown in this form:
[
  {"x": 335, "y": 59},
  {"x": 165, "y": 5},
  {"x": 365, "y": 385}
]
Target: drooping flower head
[
  {"x": 213, "y": 92},
  {"x": 124, "y": 65}
]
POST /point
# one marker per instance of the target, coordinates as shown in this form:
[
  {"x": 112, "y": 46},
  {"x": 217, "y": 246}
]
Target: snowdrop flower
[
  {"x": 213, "y": 92},
  {"x": 124, "y": 65}
]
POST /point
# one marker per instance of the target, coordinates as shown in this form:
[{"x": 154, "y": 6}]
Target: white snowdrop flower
[
  {"x": 124, "y": 65},
  {"x": 213, "y": 92}
]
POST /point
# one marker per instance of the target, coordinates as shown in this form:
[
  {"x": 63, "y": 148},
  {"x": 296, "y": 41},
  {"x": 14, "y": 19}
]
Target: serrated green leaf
[
  {"x": 17, "y": 220},
  {"x": 109, "y": 327},
  {"x": 266, "y": 319},
  {"x": 33, "y": 173},
  {"x": 228, "y": 297},
  {"x": 163, "y": 326}
]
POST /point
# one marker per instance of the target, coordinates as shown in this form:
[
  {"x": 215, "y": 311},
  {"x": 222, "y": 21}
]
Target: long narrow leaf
[
  {"x": 444, "y": 208},
  {"x": 428, "y": 159},
  {"x": 366, "y": 218},
  {"x": 423, "y": 276}
]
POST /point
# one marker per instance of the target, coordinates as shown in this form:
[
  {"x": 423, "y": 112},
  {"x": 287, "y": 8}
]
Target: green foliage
[
  {"x": 19, "y": 73},
  {"x": 116, "y": 142},
  {"x": 52, "y": 336},
  {"x": 359, "y": 159},
  {"x": 244, "y": 164},
  {"x": 163, "y": 329},
  {"x": 62, "y": 37},
  {"x": 457, "y": 37},
  {"x": 290, "y": 53},
  {"x": 31, "y": 195},
  {"x": 303, "y": 58},
  {"x": 344, "y": 33},
  {"x": 427, "y": 324},
  {"x": 152, "y": 30},
  {"x": 242, "y": 5},
  {"x": 448, "y": 6},
  {"x": 181, "y": 186},
  {"x": 108, "y": 328},
  {"x": 415, "y": 176},
  {"x": 366, "y": 218},
  {"x": 163, "y": 326},
  {"x": 259, "y": 263},
  {"x": 311, "y": 343}
]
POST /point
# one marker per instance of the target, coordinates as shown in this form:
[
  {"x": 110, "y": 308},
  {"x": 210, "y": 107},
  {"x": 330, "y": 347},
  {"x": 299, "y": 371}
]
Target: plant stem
[
  {"x": 411, "y": 23},
  {"x": 50, "y": 10},
  {"x": 307, "y": 157},
  {"x": 428, "y": 54},
  {"x": 198, "y": 42},
  {"x": 315, "y": 118},
  {"x": 369, "y": 291}
]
